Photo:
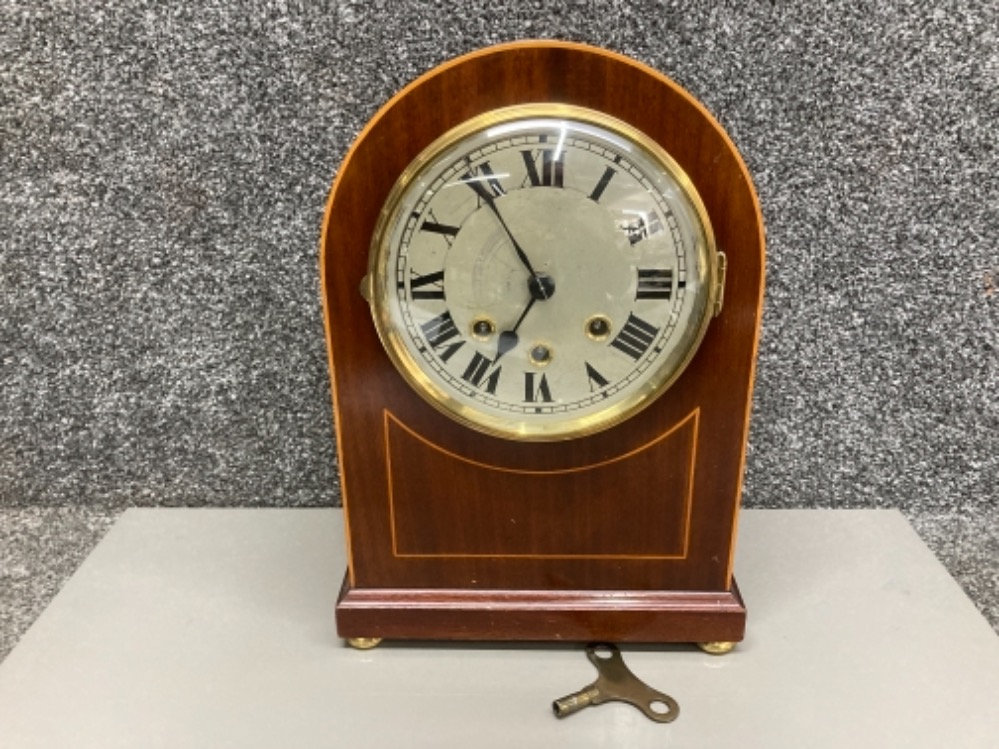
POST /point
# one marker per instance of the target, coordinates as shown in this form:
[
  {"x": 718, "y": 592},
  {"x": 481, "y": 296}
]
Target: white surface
[{"x": 214, "y": 628}]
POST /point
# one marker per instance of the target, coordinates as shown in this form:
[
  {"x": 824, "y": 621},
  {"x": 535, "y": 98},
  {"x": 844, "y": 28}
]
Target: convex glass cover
[{"x": 543, "y": 272}]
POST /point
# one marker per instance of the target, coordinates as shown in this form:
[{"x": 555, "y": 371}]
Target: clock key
[{"x": 616, "y": 683}]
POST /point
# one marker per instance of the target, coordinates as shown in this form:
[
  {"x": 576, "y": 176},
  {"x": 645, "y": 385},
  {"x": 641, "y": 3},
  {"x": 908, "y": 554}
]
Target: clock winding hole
[
  {"x": 483, "y": 328},
  {"x": 540, "y": 354},
  {"x": 598, "y": 327}
]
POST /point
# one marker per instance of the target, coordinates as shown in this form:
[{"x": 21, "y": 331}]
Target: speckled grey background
[{"x": 164, "y": 169}]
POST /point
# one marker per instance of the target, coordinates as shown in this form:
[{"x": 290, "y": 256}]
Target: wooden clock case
[{"x": 626, "y": 535}]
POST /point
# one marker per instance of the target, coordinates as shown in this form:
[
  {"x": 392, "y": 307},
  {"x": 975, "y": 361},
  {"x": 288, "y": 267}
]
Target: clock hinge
[
  {"x": 367, "y": 288},
  {"x": 721, "y": 268}
]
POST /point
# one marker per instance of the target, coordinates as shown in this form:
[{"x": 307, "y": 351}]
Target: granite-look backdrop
[{"x": 165, "y": 166}]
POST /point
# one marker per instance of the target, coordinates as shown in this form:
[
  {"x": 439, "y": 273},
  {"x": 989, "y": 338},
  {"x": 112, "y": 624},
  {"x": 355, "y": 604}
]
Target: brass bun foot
[
  {"x": 363, "y": 643},
  {"x": 716, "y": 648}
]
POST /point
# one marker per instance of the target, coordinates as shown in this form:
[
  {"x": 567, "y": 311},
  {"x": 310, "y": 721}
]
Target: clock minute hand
[
  {"x": 483, "y": 192},
  {"x": 517, "y": 248}
]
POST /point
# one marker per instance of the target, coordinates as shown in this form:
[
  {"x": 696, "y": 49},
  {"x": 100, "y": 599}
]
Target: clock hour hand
[
  {"x": 508, "y": 339},
  {"x": 541, "y": 287}
]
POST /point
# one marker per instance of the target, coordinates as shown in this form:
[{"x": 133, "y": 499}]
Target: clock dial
[{"x": 542, "y": 272}]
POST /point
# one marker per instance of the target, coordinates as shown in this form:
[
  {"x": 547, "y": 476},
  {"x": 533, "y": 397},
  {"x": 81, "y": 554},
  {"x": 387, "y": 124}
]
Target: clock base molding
[{"x": 541, "y": 615}]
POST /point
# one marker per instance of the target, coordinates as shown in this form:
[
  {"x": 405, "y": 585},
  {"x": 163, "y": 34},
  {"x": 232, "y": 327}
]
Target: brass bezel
[{"x": 512, "y": 427}]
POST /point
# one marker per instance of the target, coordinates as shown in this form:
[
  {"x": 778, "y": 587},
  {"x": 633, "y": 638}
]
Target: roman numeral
[
  {"x": 418, "y": 284},
  {"x": 643, "y": 228},
  {"x": 485, "y": 184},
  {"x": 433, "y": 226},
  {"x": 605, "y": 179},
  {"x": 655, "y": 283},
  {"x": 475, "y": 373},
  {"x": 552, "y": 172},
  {"x": 535, "y": 390},
  {"x": 596, "y": 379},
  {"x": 635, "y": 337},
  {"x": 440, "y": 333},
  {"x": 445, "y": 229}
]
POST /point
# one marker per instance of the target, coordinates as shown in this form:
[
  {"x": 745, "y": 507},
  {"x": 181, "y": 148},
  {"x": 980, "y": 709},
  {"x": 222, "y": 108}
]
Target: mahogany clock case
[{"x": 624, "y": 535}]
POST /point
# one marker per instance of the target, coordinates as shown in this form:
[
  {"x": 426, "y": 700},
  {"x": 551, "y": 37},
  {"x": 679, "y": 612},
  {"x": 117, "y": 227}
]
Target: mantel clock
[{"x": 542, "y": 273}]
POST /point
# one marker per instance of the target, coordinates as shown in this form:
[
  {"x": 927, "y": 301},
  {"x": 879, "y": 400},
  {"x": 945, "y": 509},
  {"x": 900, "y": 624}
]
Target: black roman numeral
[
  {"x": 597, "y": 380},
  {"x": 642, "y": 228},
  {"x": 475, "y": 373},
  {"x": 484, "y": 183},
  {"x": 433, "y": 226},
  {"x": 552, "y": 172},
  {"x": 430, "y": 286},
  {"x": 536, "y": 390},
  {"x": 440, "y": 333},
  {"x": 605, "y": 179},
  {"x": 635, "y": 337},
  {"x": 655, "y": 283}
]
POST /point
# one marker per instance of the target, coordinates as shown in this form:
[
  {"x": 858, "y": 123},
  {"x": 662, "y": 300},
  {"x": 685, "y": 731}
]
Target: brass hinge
[
  {"x": 367, "y": 288},
  {"x": 720, "y": 271}
]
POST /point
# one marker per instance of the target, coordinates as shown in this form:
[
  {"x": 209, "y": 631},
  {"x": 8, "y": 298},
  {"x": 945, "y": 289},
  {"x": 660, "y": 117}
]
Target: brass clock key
[{"x": 616, "y": 683}]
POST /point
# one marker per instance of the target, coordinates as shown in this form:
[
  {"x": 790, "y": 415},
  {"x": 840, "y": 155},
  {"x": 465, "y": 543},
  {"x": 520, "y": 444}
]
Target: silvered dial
[{"x": 542, "y": 272}]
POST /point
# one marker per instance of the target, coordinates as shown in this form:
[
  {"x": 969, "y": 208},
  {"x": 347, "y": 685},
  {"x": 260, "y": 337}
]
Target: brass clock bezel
[{"x": 378, "y": 285}]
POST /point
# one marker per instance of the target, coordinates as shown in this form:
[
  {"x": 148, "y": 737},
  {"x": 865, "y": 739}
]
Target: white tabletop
[{"x": 214, "y": 628}]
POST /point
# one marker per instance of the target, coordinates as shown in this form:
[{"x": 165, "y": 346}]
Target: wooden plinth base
[{"x": 527, "y": 615}]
